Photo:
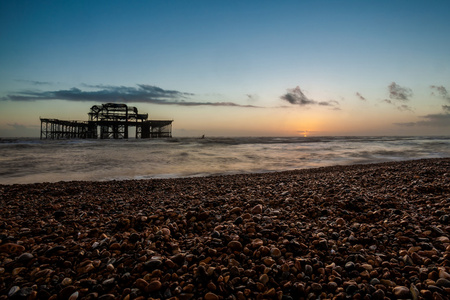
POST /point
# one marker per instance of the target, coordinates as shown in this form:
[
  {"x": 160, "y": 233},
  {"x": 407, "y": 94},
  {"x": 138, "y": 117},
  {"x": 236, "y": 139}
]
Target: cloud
[
  {"x": 404, "y": 107},
  {"x": 441, "y": 92},
  {"x": 296, "y": 96},
  {"x": 434, "y": 120},
  {"x": 397, "y": 92},
  {"x": 360, "y": 96},
  {"x": 440, "y": 120},
  {"x": 34, "y": 82},
  {"x": 252, "y": 97},
  {"x": 407, "y": 124},
  {"x": 446, "y": 108},
  {"x": 401, "y": 107},
  {"x": 17, "y": 126},
  {"x": 143, "y": 93}
]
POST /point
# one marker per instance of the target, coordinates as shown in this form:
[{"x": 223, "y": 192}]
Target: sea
[{"x": 27, "y": 160}]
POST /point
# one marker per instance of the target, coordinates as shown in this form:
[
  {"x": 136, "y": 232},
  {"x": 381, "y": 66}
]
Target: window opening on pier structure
[{"x": 107, "y": 121}]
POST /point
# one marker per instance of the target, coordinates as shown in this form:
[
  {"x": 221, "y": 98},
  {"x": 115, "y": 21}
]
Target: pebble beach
[{"x": 374, "y": 231}]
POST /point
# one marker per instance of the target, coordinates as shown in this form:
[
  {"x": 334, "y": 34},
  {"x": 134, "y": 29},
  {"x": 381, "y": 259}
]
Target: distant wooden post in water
[{"x": 107, "y": 121}]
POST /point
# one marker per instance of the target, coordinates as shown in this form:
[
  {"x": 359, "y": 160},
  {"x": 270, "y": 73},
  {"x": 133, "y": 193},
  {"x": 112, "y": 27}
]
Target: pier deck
[{"x": 107, "y": 121}]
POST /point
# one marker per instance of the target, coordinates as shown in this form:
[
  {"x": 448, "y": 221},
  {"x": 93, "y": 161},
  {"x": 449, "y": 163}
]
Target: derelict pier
[{"x": 107, "y": 121}]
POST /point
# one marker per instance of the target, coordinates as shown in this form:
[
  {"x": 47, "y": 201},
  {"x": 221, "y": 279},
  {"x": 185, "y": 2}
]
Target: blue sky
[{"x": 230, "y": 67}]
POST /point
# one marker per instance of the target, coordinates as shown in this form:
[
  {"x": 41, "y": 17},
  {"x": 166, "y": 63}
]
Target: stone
[
  {"x": 444, "y": 274},
  {"x": 110, "y": 267},
  {"x": 107, "y": 297},
  {"x": 109, "y": 282},
  {"x": 141, "y": 284},
  {"x": 349, "y": 266},
  {"x": 13, "y": 291},
  {"x": 257, "y": 209},
  {"x": 443, "y": 282},
  {"x": 401, "y": 292},
  {"x": 114, "y": 246},
  {"x": 66, "y": 281},
  {"x": 11, "y": 248},
  {"x": 264, "y": 278},
  {"x": 24, "y": 293},
  {"x": 211, "y": 296},
  {"x": 74, "y": 296},
  {"x": 414, "y": 292},
  {"x": 154, "y": 286},
  {"x": 235, "y": 245},
  {"x": 86, "y": 269},
  {"x": 66, "y": 292},
  {"x": 275, "y": 252},
  {"x": 25, "y": 257},
  {"x": 340, "y": 222},
  {"x": 378, "y": 295},
  {"x": 316, "y": 287},
  {"x": 443, "y": 239}
]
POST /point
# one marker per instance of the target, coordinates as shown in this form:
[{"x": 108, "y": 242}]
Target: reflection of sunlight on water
[{"x": 104, "y": 160}]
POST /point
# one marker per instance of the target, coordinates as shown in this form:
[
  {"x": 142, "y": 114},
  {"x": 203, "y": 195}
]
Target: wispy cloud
[
  {"x": 404, "y": 107},
  {"x": 406, "y": 124},
  {"x": 400, "y": 107},
  {"x": 398, "y": 95},
  {"x": 252, "y": 97},
  {"x": 34, "y": 82},
  {"x": 143, "y": 93},
  {"x": 360, "y": 96},
  {"x": 297, "y": 97},
  {"x": 441, "y": 92},
  {"x": 18, "y": 126},
  {"x": 397, "y": 92}
]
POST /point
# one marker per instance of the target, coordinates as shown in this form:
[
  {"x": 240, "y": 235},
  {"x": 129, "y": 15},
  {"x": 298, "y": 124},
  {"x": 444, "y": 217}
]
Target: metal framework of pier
[{"x": 107, "y": 121}]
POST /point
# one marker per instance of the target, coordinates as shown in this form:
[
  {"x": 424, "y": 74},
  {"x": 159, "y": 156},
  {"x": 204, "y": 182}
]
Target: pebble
[
  {"x": 443, "y": 282},
  {"x": 13, "y": 290},
  {"x": 154, "y": 286},
  {"x": 11, "y": 248},
  {"x": 306, "y": 234},
  {"x": 211, "y": 296},
  {"x": 414, "y": 292},
  {"x": 401, "y": 292},
  {"x": 25, "y": 257},
  {"x": 378, "y": 295},
  {"x": 141, "y": 284},
  {"x": 235, "y": 245},
  {"x": 257, "y": 209},
  {"x": 264, "y": 278},
  {"x": 74, "y": 296},
  {"x": 316, "y": 287}
]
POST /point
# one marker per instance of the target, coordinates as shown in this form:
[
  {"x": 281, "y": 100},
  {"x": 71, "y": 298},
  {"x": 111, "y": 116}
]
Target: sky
[{"x": 230, "y": 68}]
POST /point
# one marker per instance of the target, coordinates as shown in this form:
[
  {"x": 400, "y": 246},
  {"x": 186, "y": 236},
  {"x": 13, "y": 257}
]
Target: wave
[{"x": 34, "y": 160}]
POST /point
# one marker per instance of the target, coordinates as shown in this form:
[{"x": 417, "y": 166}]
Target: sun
[{"x": 304, "y": 133}]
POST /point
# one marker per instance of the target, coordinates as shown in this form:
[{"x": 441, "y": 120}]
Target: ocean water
[{"x": 34, "y": 160}]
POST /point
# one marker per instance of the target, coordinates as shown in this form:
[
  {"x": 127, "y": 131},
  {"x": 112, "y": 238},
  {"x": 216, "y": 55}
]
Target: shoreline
[
  {"x": 341, "y": 231},
  {"x": 230, "y": 173}
]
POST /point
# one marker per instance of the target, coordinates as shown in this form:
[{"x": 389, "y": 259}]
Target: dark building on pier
[{"x": 107, "y": 121}]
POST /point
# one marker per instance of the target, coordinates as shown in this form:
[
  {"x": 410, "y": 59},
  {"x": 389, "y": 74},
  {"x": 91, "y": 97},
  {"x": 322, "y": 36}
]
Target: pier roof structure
[{"x": 107, "y": 121}]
